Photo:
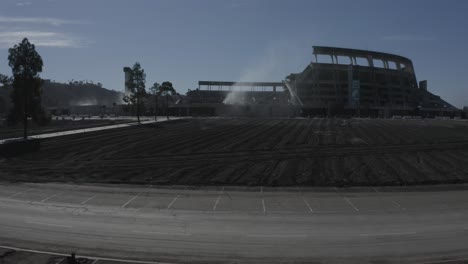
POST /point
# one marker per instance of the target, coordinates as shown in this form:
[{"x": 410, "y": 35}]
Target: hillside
[{"x": 57, "y": 94}]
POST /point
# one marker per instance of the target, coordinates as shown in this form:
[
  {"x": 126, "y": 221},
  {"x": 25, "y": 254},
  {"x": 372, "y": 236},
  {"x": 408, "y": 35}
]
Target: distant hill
[{"x": 55, "y": 94}]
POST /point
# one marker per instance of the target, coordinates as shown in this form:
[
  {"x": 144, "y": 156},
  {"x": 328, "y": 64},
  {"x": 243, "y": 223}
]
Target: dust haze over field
[{"x": 269, "y": 152}]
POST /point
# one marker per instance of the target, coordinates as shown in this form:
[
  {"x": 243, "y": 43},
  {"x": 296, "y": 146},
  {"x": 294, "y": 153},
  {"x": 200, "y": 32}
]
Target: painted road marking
[
  {"x": 398, "y": 205},
  {"x": 346, "y": 200},
  {"x": 50, "y": 197},
  {"x": 308, "y": 205},
  {"x": 60, "y": 261},
  {"x": 216, "y": 203},
  {"x": 284, "y": 236},
  {"x": 18, "y": 193},
  {"x": 161, "y": 233},
  {"x": 350, "y": 203},
  {"x": 388, "y": 234},
  {"x": 173, "y": 201},
  {"x": 47, "y": 224},
  {"x": 218, "y": 199},
  {"x": 264, "y": 207},
  {"x": 89, "y": 199},
  {"x": 88, "y": 257},
  {"x": 129, "y": 201},
  {"x": 95, "y": 261}
]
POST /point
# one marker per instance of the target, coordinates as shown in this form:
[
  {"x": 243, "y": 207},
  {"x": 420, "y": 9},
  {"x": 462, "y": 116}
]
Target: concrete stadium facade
[
  {"x": 356, "y": 81},
  {"x": 338, "y": 82}
]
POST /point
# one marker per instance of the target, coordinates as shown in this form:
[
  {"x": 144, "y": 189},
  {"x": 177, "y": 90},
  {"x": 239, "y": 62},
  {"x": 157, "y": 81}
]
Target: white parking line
[
  {"x": 47, "y": 224},
  {"x": 398, "y": 205},
  {"x": 50, "y": 197},
  {"x": 89, "y": 199},
  {"x": 285, "y": 236},
  {"x": 18, "y": 193},
  {"x": 351, "y": 204},
  {"x": 216, "y": 203},
  {"x": 218, "y": 199},
  {"x": 264, "y": 207},
  {"x": 129, "y": 201},
  {"x": 161, "y": 233},
  {"x": 173, "y": 201},
  {"x": 389, "y": 234},
  {"x": 95, "y": 261},
  {"x": 308, "y": 205},
  {"x": 60, "y": 261}
]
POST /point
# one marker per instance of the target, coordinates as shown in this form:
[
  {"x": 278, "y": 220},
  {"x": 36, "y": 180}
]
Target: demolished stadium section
[{"x": 351, "y": 82}]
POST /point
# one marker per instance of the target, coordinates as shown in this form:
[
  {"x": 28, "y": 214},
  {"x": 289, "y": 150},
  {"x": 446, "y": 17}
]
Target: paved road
[
  {"x": 417, "y": 224},
  {"x": 91, "y": 129}
]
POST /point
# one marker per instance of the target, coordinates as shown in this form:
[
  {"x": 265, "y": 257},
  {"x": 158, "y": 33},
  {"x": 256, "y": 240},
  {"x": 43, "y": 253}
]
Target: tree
[
  {"x": 136, "y": 88},
  {"x": 26, "y": 64},
  {"x": 5, "y": 81},
  {"x": 154, "y": 91},
  {"x": 166, "y": 89}
]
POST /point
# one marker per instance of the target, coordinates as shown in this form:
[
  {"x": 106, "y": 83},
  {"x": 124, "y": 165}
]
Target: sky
[{"x": 184, "y": 41}]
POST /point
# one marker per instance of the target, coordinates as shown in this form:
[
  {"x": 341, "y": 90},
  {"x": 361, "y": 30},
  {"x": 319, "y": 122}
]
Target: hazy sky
[{"x": 192, "y": 40}]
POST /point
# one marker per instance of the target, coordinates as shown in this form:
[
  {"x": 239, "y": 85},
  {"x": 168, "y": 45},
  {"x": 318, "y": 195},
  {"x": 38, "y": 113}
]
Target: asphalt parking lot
[
  {"x": 25, "y": 256},
  {"x": 190, "y": 220},
  {"x": 248, "y": 200}
]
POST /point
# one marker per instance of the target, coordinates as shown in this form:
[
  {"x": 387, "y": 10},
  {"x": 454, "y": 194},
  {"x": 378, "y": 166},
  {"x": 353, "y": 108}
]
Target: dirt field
[{"x": 268, "y": 152}]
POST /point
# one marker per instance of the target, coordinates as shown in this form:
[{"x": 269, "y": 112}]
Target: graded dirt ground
[{"x": 255, "y": 152}]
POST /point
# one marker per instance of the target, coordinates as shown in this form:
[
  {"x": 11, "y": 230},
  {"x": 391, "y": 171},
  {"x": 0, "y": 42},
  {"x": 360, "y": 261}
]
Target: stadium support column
[
  {"x": 385, "y": 63},
  {"x": 354, "y": 87},
  {"x": 335, "y": 83},
  {"x": 398, "y": 65},
  {"x": 370, "y": 61}
]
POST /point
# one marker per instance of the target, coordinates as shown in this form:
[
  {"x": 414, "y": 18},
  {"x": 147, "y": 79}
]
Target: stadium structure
[
  {"x": 356, "y": 82},
  {"x": 338, "y": 82}
]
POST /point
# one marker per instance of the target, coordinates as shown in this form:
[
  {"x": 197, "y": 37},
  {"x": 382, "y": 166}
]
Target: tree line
[
  {"x": 137, "y": 93},
  {"x": 26, "y": 87}
]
